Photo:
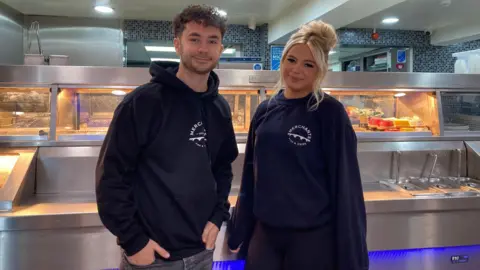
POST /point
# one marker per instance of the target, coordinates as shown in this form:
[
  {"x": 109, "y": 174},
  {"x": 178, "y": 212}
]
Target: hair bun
[{"x": 321, "y": 31}]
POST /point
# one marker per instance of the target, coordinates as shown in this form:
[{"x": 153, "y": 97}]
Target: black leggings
[{"x": 287, "y": 249}]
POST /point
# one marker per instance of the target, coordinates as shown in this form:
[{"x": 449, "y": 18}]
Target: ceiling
[
  {"x": 239, "y": 11},
  {"x": 423, "y": 15}
]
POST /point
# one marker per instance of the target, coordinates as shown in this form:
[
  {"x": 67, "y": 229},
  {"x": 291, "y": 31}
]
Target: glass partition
[
  {"x": 86, "y": 113},
  {"x": 382, "y": 112},
  {"x": 415, "y": 113},
  {"x": 461, "y": 112},
  {"x": 243, "y": 104},
  {"x": 24, "y": 112}
]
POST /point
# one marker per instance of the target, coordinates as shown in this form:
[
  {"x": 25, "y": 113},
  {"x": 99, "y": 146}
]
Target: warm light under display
[{"x": 6, "y": 166}]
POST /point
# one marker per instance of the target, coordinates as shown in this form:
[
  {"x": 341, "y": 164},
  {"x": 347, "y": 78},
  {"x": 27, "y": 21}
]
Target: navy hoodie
[
  {"x": 164, "y": 169},
  {"x": 301, "y": 172}
]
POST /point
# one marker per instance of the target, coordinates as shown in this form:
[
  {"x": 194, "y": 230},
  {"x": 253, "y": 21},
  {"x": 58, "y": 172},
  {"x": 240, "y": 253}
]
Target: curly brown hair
[{"x": 201, "y": 14}]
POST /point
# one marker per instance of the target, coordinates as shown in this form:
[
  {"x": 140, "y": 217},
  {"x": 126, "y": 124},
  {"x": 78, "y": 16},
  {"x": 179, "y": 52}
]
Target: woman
[{"x": 301, "y": 201}]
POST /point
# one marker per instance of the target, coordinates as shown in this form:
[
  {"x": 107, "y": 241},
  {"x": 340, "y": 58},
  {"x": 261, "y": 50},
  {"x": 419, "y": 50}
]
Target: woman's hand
[{"x": 236, "y": 250}]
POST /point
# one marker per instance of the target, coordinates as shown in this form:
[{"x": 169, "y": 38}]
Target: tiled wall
[
  {"x": 426, "y": 58},
  {"x": 439, "y": 58},
  {"x": 254, "y": 42},
  {"x": 387, "y": 37}
]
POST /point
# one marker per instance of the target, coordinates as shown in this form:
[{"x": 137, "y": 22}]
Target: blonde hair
[{"x": 320, "y": 38}]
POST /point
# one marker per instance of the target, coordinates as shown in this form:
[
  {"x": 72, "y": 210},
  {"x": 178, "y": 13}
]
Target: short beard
[{"x": 189, "y": 65}]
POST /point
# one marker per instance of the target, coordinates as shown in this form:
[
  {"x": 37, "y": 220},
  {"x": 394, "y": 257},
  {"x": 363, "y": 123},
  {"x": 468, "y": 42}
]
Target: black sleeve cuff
[
  {"x": 134, "y": 245},
  {"x": 218, "y": 218}
]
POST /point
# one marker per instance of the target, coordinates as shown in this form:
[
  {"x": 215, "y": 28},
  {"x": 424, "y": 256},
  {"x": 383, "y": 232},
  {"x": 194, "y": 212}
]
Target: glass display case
[
  {"x": 24, "y": 112},
  {"x": 88, "y": 111},
  {"x": 461, "y": 112},
  {"x": 243, "y": 104},
  {"x": 379, "y": 112},
  {"x": 415, "y": 113}
]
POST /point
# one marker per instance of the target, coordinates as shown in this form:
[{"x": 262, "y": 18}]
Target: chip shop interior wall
[
  {"x": 11, "y": 36},
  {"x": 254, "y": 43},
  {"x": 87, "y": 42},
  {"x": 426, "y": 58}
]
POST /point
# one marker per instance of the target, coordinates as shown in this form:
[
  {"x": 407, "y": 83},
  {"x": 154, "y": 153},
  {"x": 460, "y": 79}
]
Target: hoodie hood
[{"x": 165, "y": 73}]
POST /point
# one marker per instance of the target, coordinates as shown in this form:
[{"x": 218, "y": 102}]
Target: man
[{"x": 164, "y": 171}]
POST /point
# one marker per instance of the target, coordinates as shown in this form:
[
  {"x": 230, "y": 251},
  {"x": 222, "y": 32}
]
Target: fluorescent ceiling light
[
  {"x": 119, "y": 93},
  {"x": 104, "y": 9},
  {"x": 159, "y": 49},
  {"x": 331, "y": 52},
  {"x": 400, "y": 95},
  {"x": 172, "y": 49},
  {"x": 165, "y": 59},
  {"x": 390, "y": 20}
]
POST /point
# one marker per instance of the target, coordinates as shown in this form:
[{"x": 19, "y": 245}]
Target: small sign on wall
[
  {"x": 401, "y": 56},
  {"x": 276, "y": 57},
  {"x": 257, "y": 66}
]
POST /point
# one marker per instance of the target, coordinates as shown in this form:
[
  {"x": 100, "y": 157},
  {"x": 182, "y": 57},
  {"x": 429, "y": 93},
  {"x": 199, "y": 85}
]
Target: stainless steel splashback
[
  {"x": 473, "y": 152},
  {"x": 378, "y": 160},
  {"x": 11, "y": 36},
  {"x": 70, "y": 170},
  {"x": 87, "y": 42},
  {"x": 67, "y": 170}
]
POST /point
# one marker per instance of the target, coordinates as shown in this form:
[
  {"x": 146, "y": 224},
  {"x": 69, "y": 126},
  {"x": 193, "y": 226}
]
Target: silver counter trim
[
  {"x": 23, "y": 138},
  {"x": 117, "y": 76},
  {"x": 422, "y": 205},
  {"x": 441, "y": 118},
  {"x": 53, "y": 113},
  {"x": 38, "y": 221},
  {"x": 240, "y": 139},
  {"x": 49, "y": 222}
]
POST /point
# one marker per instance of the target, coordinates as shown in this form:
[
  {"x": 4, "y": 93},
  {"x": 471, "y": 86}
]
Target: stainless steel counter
[
  {"x": 395, "y": 222},
  {"x": 57, "y": 211},
  {"x": 241, "y": 139}
]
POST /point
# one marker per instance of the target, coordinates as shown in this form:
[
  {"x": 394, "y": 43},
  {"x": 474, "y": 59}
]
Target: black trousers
[{"x": 287, "y": 249}]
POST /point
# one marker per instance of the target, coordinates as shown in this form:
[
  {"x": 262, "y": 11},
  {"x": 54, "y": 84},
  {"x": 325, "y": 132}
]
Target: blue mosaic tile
[
  {"x": 439, "y": 58},
  {"x": 348, "y": 36},
  {"x": 254, "y": 43},
  {"x": 426, "y": 57}
]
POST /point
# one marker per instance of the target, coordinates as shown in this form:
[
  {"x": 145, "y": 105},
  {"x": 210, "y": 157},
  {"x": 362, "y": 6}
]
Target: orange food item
[{"x": 401, "y": 123}]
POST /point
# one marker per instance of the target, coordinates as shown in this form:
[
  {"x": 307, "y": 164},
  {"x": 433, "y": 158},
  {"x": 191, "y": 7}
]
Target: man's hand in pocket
[
  {"x": 146, "y": 256},
  {"x": 209, "y": 235}
]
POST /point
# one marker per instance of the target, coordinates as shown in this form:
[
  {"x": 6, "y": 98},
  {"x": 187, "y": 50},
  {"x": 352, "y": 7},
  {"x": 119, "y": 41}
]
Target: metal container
[
  {"x": 58, "y": 60},
  {"x": 34, "y": 59}
]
